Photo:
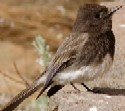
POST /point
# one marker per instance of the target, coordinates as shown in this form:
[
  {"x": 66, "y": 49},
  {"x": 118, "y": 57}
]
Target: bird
[{"x": 86, "y": 54}]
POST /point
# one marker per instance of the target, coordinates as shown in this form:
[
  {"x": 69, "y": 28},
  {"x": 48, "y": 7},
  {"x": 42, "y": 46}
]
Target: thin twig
[
  {"x": 18, "y": 73},
  {"x": 6, "y": 75}
]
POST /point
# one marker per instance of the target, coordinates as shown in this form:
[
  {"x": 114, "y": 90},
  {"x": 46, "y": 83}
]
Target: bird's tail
[{"x": 31, "y": 89}]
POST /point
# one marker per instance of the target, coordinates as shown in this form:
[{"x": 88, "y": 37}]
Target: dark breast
[{"x": 96, "y": 48}]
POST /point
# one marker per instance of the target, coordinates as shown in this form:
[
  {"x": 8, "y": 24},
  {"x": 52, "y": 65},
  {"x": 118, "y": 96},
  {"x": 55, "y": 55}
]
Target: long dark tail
[{"x": 22, "y": 96}]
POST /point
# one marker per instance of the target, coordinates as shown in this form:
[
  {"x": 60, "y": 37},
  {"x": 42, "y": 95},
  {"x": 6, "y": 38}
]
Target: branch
[{"x": 18, "y": 73}]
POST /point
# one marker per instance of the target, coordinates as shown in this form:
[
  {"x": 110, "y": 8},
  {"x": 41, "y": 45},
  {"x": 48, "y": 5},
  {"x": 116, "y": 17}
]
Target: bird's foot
[{"x": 75, "y": 87}]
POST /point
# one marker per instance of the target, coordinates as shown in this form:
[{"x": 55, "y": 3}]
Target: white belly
[{"x": 86, "y": 73}]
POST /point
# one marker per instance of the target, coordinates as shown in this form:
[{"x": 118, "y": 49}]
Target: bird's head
[{"x": 93, "y": 18}]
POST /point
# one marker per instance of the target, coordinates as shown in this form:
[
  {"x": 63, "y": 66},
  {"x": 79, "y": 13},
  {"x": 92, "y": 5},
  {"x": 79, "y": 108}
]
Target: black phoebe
[{"x": 85, "y": 55}]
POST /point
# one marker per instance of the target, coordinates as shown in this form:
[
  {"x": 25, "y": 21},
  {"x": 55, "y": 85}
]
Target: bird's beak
[{"x": 113, "y": 10}]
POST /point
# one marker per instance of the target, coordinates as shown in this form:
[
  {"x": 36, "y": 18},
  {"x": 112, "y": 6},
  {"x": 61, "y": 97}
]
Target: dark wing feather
[{"x": 65, "y": 56}]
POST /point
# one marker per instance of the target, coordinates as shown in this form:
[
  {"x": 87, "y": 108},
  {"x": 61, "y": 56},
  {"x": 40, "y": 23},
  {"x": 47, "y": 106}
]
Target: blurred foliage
[
  {"x": 45, "y": 56},
  {"x": 41, "y": 104},
  {"x": 43, "y": 50}
]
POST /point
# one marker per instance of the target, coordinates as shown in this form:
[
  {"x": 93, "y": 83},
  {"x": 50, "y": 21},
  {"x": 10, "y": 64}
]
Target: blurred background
[{"x": 23, "y": 20}]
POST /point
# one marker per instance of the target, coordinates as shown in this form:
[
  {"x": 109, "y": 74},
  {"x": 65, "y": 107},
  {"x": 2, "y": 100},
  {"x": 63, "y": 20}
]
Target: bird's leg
[
  {"x": 74, "y": 87},
  {"x": 91, "y": 90},
  {"x": 88, "y": 89},
  {"x": 54, "y": 89}
]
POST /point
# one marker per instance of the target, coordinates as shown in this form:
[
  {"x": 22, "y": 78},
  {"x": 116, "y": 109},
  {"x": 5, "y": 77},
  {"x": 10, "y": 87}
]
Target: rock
[{"x": 86, "y": 101}]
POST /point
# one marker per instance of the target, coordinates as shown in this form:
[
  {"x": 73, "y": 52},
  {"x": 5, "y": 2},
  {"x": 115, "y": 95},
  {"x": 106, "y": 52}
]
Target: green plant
[
  {"x": 43, "y": 49},
  {"x": 45, "y": 56}
]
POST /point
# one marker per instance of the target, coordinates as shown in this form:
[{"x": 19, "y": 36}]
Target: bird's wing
[{"x": 65, "y": 57}]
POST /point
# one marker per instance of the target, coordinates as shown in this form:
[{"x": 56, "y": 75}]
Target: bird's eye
[{"x": 99, "y": 15}]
